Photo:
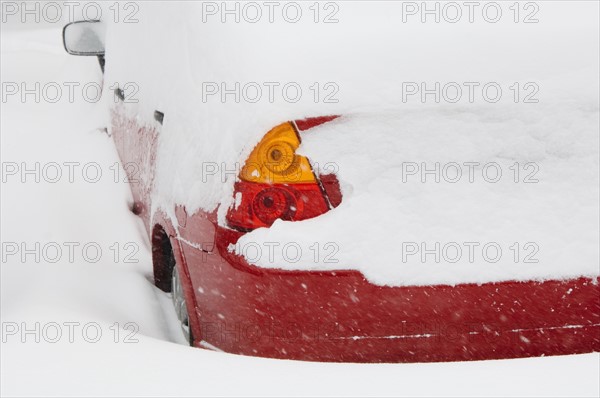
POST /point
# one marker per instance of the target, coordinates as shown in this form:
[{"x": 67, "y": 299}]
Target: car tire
[{"x": 180, "y": 306}]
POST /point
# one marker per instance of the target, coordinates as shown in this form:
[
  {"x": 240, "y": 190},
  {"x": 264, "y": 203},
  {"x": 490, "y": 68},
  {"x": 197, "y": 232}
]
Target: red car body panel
[{"x": 340, "y": 316}]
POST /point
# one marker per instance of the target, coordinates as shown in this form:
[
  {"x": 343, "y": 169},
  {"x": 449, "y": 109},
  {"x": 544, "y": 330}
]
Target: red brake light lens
[
  {"x": 259, "y": 205},
  {"x": 273, "y": 203}
]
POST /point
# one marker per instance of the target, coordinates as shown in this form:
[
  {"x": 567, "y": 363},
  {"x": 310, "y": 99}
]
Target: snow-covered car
[{"x": 211, "y": 191}]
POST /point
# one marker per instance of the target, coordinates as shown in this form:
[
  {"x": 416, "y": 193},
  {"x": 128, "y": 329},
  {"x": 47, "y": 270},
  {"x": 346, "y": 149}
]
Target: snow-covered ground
[{"x": 86, "y": 291}]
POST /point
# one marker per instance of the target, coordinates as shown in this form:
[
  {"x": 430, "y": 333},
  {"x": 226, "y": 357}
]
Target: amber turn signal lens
[{"x": 274, "y": 159}]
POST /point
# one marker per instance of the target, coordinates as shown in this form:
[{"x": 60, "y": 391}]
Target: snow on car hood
[{"x": 553, "y": 221}]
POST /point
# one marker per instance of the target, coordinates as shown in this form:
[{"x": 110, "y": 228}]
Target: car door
[{"x": 136, "y": 139}]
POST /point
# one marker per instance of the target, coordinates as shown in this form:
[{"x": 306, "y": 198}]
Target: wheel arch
[{"x": 167, "y": 254}]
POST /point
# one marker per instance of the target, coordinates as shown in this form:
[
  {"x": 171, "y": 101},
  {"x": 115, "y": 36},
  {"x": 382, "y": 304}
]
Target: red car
[{"x": 225, "y": 303}]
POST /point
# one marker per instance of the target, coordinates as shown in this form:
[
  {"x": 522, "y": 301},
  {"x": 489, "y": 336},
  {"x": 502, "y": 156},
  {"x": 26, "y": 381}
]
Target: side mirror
[{"x": 84, "y": 38}]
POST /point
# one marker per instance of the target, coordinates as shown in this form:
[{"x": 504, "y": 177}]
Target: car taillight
[{"x": 276, "y": 183}]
